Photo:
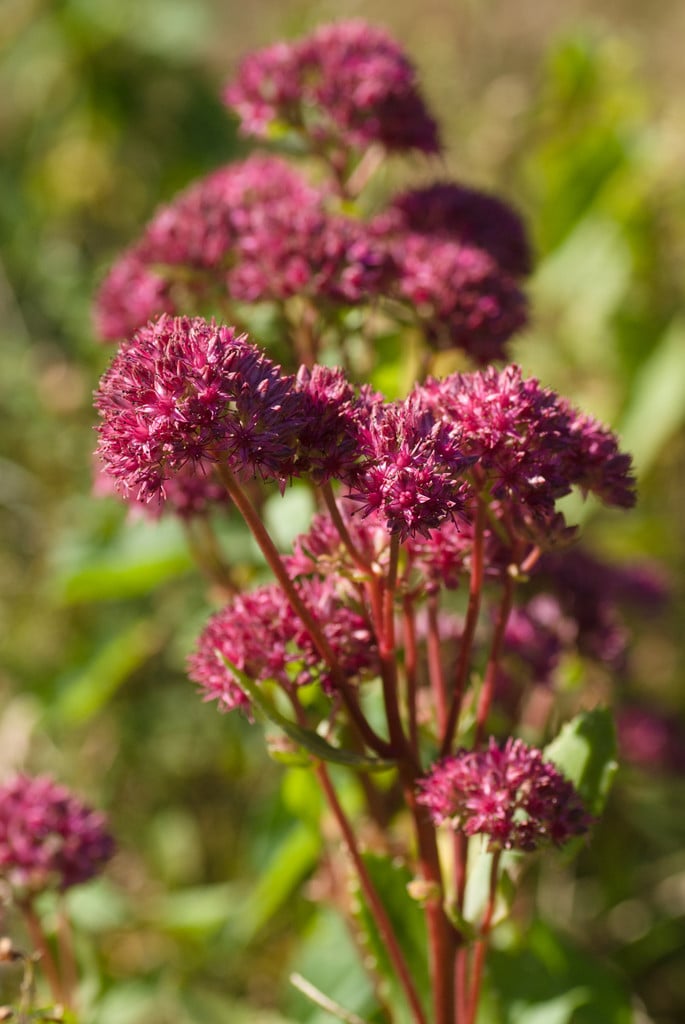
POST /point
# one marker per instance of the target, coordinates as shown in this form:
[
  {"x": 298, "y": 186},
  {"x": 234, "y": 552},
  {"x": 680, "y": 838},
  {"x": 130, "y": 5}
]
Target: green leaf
[
  {"x": 316, "y": 745},
  {"x": 139, "y": 558},
  {"x": 543, "y": 978},
  {"x": 657, "y": 409},
  {"x": 88, "y": 692},
  {"x": 585, "y": 752},
  {"x": 329, "y": 960}
]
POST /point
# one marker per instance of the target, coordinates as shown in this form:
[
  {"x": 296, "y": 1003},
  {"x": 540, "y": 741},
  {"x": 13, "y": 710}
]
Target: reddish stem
[
  {"x": 485, "y": 699},
  {"x": 359, "y": 559},
  {"x": 435, "y": 668},
  {"x": 472, "y": 612},
  {"x": 372, "y": 898},
  {"x": 275, "y": 563},
  {"x": 410, "y": 668}
]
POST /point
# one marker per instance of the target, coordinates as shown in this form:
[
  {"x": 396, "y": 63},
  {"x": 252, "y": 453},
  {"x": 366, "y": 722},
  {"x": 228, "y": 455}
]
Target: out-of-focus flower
[
  {"x": 592, "y": 593},
  {"x": 131, "y": 294},
  {"x": 261, "y": 635},
  {"x": 509, "y": 794},
  {"x": 453, "y": 212},
  {"x": 193, "y": 491},
  {"x": 462, "y": 297},
  {"x": 651, "y": 739},
  {"x": 252, "y": 231},
  {"x": 345, "y": 86},
  {"x": 183, "y": 392},
  {"x": 48, "y": 838}
]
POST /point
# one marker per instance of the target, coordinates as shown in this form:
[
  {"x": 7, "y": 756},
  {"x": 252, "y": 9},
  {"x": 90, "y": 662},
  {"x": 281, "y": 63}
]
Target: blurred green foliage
[{"x": 108, "y": 108}]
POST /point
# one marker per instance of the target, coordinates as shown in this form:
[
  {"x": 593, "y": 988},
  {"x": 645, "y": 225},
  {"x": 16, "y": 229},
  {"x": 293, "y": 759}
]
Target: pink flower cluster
[
  {"x": 345, "y": 86},
  {"x": 509, "y": 794},
  {"x": 531, "y": 446},
  {"x": 260, "y": 634},
  {"x": 48, "y": 838},
  {"x": 183, "y": 392},
  {"x": 250, "y": 232}
]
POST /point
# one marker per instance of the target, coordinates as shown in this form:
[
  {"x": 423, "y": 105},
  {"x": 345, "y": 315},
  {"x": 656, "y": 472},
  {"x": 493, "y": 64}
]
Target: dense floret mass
[
  {"x": 446, "y": 210},
  {"x": 344, "y": 86},
  {"x": 252, "y": 231},
  {"x": 531, "y": 446},
  {"x": 412, "y": 468},
  {"x": 260, "y": 634},
  {"x": 48, "y": 838},
  {"x": 462, "y": 298},
  {"x": 183, "y": 392},
  {"x": 509, "y": 794}
]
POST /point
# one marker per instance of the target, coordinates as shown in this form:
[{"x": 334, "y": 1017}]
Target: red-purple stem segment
[{"x": 275, "y": 563}]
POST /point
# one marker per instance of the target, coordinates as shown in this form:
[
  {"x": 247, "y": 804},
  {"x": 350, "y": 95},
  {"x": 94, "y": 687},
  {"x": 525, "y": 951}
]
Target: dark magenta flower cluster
[
  {"x": 509, "y": 794},
  {"x": 259, "y": 633},
  {"x": 182, "y": 392},
  {"x": 250, "y": 232},
  {"x": 346, "y": 85},
  {"x": 531, "y": 446},
  {"x": 48, "y": 838}
]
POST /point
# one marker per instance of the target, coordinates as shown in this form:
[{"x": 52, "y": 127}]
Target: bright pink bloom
[
  {"x": 531, "y": 447},
  {"x": 509, "y": 794},
  {"x": 411, "y": 470},
  {"x": 183, "y": 392},
  {"x": 48, "y": 838}
]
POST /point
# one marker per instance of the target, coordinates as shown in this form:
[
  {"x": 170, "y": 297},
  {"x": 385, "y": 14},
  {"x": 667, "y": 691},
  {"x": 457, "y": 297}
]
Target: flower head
[
  {"x": 48, "y": 838},
  {"x": 462, "y": 297},
  {"x": 509, "y": 793},
  {"x": 531, "y": 446},
  {"x": 260, "y": 634},
  {"x": 411, "y": 468},
  {"x": 344, "y": 86},
  {"x": 184, "y": 391},
  {"x": 463, "y": 215},
  {"x": 131, "y": 294}
]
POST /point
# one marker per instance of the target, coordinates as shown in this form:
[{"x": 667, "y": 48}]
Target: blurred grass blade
[{"x": 658, "y": 406}]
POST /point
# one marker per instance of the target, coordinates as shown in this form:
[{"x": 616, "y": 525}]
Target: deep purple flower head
[
  {"x": 509, "y": 794},
  {"x": 261, "y": 635},
  {"x": 463, "y": 215},
  {"x": 344, "y": 86},
  {"x": 535, "y": 637},
  {"x": 329, "y": 439},
  {"x": 48, "y": 838},
  {"x": 531, "y": 446},
  {"x": 462, "y": 297},
  {"x": 183, "y": 392},
  {"x": 411, "y": 468},
  {"x": 593, "y": 594}
]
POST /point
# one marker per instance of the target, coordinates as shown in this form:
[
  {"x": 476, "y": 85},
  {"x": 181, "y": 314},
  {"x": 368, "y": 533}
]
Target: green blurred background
[{"x": 108, "y": 107}]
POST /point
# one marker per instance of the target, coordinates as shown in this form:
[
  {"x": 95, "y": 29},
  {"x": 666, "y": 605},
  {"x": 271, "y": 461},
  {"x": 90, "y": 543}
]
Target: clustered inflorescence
[
  {"x": 455, "y": 487},
  {"x": 49, "y": 839}
]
